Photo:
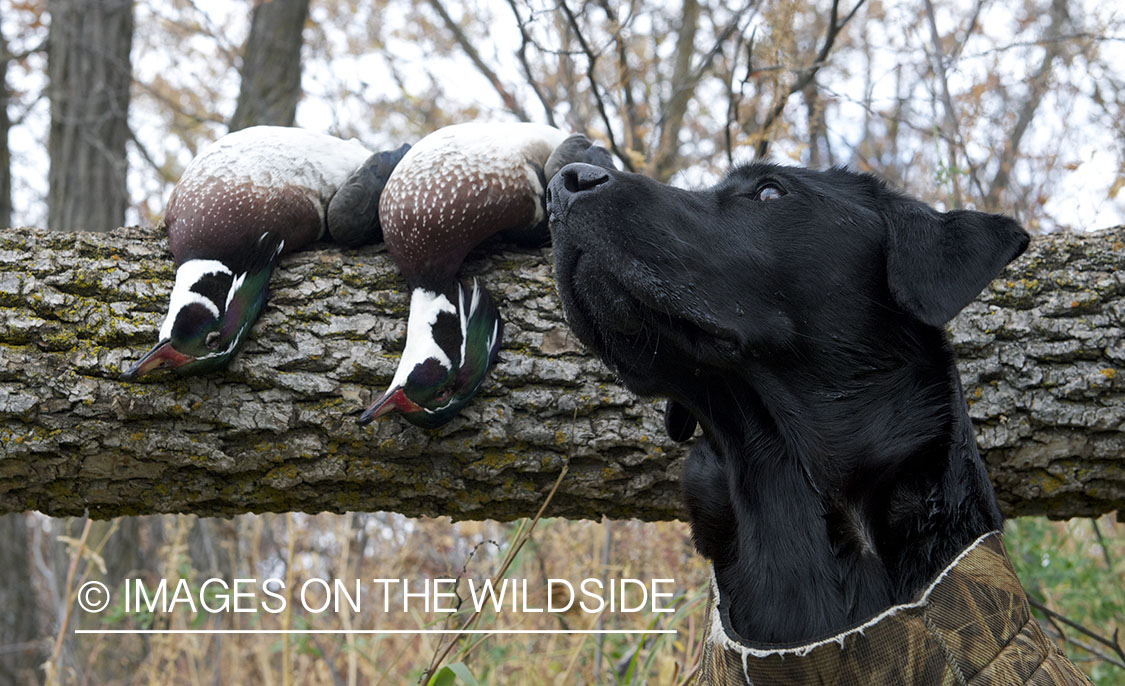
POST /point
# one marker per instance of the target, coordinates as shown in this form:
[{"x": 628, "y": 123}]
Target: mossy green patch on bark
[{"x": 275, "y": 431}]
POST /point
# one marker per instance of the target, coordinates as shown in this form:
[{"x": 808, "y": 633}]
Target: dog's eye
[{"x": 769, "y": 191}]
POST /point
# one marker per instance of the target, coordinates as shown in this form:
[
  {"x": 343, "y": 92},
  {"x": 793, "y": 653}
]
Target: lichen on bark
[{"x": 1043, "y": 365}]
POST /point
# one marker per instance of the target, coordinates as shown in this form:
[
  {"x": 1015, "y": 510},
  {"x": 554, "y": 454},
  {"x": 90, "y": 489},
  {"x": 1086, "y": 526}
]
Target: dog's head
[{"x": 773, "y": 262}]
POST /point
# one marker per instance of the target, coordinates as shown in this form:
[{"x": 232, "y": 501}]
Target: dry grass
[
  {"x": 1073, "y": 567},
  {"x": 360, "y": 546}
]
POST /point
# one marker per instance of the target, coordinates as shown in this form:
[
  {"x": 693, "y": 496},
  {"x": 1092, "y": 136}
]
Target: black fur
[
  {"x": 797, "y": 316},
  {"x": 679, "y": 422}
]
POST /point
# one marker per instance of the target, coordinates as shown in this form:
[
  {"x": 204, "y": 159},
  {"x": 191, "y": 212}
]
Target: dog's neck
[{"x": 818, "y": 525}]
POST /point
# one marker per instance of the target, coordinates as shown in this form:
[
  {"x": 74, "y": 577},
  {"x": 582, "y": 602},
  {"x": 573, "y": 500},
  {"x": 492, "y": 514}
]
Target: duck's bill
[
  {"x": 162, "y": 356},
  {"x": 394, "y": 399}
]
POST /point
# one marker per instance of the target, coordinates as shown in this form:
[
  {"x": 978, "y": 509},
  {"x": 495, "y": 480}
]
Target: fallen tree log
[{"x": 1043, "y": 364}]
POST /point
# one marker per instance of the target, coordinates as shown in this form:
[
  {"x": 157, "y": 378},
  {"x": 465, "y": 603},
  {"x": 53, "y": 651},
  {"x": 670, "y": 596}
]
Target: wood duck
[
  {"x": 248, "y": 198},
  {"x": 455, "y": 188}
]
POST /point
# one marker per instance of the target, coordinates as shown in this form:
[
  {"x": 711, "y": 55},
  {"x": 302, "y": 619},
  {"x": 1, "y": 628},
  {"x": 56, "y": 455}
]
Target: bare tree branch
[
  {"x": 1041, "y": 358},
  {"x": 178, "y": 107},
  {"x": 805, "y": 76},
  {"x": 145, "y": 154},
  {"x": 734, "y": 101},
  {"x": 591, "y": 76},
  {"x": 1036, "y": 87},
  {"x": 532, "y": 81},
  {"x": 685, "y": 81},
  {"x": 672, "y": 116},
  {"x": 1112, "y": 643},
  {"x": 953, "y": 122},
  {"x": 510, "y": 102},
  {"x": 708, "y": 58},
  {"x": 231, "y": 52},
  {"x": 633, "y": 139},
  {"x": 1061, "y": 38}
]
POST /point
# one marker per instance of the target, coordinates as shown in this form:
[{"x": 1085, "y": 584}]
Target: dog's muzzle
[
  {"x": 571, "y": 181},
  {"x": 591, "y": 294}
]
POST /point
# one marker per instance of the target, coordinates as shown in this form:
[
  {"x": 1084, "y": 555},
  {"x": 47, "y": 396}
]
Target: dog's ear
[
  {"x": 679, "y": 422},
  {"x": 938, "y": 262}
]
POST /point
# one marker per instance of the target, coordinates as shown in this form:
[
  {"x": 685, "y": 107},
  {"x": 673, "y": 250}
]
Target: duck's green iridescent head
[
  {"x": 210, "y": 312},
  {"x": 452, "y": 338}
]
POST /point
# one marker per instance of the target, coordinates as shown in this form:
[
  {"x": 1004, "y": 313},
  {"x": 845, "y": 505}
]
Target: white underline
[{"x": 376, "y": 631}]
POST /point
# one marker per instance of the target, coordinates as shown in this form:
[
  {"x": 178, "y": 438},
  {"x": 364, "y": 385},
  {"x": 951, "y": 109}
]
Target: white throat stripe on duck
[
  {"x": 182, "y": 295},
  {"x": 236, "y": 283},
  {"x": 467, "y": 314},
  {"x": 425, "y": 306}
]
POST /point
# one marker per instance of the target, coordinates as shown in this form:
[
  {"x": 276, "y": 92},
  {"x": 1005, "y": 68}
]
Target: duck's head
[
  {"x": 576, "y": 148},
  {"x": 209, "y": 314},
  {"x": 353, "y": 212},
  {"x": 452, "y": 338}
]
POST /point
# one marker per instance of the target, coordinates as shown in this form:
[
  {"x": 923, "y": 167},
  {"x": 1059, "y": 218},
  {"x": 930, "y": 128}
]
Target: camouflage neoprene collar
[{"x": 970, "y": 627}]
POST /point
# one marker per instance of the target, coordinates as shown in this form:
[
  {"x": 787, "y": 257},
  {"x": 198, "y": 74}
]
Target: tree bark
[
  {"x": 271, "y": 65},
  {"x": 90, "y": 74},
  {"x": 1042, "y": 360}
]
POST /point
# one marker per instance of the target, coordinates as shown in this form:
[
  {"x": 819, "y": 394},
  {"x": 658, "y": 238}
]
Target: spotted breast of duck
[
  {"x": 454, "y": 189},
  {"x": 248, "y": 198}
]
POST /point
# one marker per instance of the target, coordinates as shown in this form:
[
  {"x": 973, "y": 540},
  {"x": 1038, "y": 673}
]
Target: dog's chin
[
  {"x": 644, "y": 345},
  {"x": 597, "y": 308},
  {"x": 603, "y": 299}
]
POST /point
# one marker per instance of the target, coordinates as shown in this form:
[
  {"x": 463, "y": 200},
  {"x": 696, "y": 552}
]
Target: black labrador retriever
[{"x": 798, "y": 317}]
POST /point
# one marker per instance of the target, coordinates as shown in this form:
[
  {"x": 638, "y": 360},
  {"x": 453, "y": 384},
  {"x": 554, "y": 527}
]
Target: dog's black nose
[
  {"x": 582, "y": 177},
  {"x": 571, "y": 180}
]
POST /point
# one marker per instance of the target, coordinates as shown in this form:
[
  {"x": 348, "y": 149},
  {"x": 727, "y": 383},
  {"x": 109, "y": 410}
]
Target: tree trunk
[
  {"x": 22, "y": 645},
  {"x": 1042, "y": 359},
  {"x": 5, "y": 150},
  {"x": 90, "y": 75},
  {"x": 271, "y": 65}
]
